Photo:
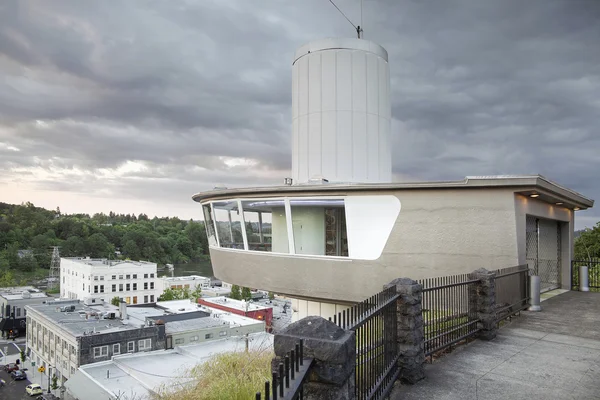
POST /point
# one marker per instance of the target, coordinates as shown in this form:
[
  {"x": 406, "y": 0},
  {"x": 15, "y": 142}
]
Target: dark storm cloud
[{"x": 193, "y": 90}]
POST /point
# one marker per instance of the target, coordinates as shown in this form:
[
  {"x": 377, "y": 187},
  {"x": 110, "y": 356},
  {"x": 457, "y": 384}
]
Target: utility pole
[{"x": 54, "y": 269}]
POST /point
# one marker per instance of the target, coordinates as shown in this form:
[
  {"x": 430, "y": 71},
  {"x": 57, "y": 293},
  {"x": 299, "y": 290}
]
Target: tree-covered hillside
[{"x": 161, "y": 240}]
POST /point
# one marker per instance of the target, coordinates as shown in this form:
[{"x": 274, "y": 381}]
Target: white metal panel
[
  {"x": 314, "y": 145},
  {"x": 328, "y": 81},
  {"x": 373, "y": 147},
  {"x": 314, "y": 84},
  {"x": 359, "y": 146},
  {"x": 344, "y": 140},
  {"x": 343, "y": 71},
  {"x": 373, "y": 87},
  {"x": 341, "y": 112},
  {"x": 369, "y": 222},
  {"x": 359, "y": 81},
  {"x": 329, "y": 143}
]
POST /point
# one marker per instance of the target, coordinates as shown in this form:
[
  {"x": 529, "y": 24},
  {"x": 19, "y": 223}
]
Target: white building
[
  {"x": 136, "y": 282},
  {"x": 183, "y": 282},
  {"x": 12, "y": 308}
]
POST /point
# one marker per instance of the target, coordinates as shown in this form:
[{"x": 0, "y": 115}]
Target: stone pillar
[
  {"x": 334, "y": 352},
  {"x": 411, "y": 333},
  {"x": 483, "y": 301}
]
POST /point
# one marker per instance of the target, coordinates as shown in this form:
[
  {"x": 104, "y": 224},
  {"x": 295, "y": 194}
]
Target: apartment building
[
  {"x": 64, "y": 334},
  {"x": 136, "y": 282},
  {"x": 12, "y": 308}
]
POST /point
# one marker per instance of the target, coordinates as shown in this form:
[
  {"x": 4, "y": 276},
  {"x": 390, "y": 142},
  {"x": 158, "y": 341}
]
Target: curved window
[
  {"x": 352, "y": 226},
  {"x": 266, "y": 225}
]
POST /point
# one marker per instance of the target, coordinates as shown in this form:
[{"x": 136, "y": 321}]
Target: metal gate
[{"x": 543, "y": 251}]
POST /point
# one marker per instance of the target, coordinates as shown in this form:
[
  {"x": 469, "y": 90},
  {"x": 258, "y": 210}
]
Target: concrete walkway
[{"x": 553, "y": 354}]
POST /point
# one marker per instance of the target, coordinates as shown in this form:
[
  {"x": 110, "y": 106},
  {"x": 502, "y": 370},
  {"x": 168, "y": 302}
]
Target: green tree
[
  {"x": 115, "y": 301},
  {"x": 246, "y": 294},
  {"x": 196, "y": 293},
  {"x": 235, "y": 294},
  {"x": 97, "y": 245},
  {"x": 271, "y": 296},
  {"x": 54, "y": 385},
  {"x": 175, "y": 294},
  {"x": 7, "y": 279},
  {"x": 23, "y": 356},
  {"x": 587, "y": 245}
]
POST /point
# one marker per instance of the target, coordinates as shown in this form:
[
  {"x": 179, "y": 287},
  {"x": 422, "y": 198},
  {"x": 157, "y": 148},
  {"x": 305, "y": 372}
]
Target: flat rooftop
[
  {"x": 236, "y": 304},
  {"x": 105, "y": 262},
  {"x": 75, "y": 322},
  {"x": 185, "y": 278},
  {"x": 22, "y": 292},
  {"x": 193, "y": 316},
  {"x": 526, "y": 184},
  {"x": 144, "y": 374}
]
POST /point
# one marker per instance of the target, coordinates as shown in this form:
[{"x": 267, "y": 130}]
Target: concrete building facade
[
  {"x": 64, "y": 334},
  {"x": 136, "y": 282},
  {"x": 336, "y": 244},
  {"x": 12, "y": 308}
]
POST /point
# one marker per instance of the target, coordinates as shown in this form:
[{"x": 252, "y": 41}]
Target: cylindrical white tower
[{"x": 341, "y": 112}]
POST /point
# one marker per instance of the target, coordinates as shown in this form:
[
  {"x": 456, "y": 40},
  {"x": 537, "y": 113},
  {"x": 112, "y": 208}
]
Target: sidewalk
[{"x": 552, "y": 354}]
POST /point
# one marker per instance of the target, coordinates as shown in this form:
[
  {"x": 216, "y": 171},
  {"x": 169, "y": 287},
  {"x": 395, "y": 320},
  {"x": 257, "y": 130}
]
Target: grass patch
[{"x": 226, "y": 376}]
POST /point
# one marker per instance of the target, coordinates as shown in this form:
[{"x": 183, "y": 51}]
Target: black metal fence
[
  {"x": 512, "y": 291},
  {"x": 374, "y": 322},
  {"x": 593, "y": 265},
  {"x": 288, "y": 381},
  {"x": 448, "y": 313}
]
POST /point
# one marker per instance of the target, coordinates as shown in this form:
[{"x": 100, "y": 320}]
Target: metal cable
[{"x": 341, "y": 12}]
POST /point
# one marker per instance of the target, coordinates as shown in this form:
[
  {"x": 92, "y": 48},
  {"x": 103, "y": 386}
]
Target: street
[{"x": 14, "y": 390}]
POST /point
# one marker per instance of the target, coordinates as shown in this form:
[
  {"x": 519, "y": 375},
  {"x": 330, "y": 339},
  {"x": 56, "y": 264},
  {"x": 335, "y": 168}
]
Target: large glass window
[
  {"x": 357, "y": 227},
  {"x": 229, "y": 224},
  {"x": 210, "y": 225},
  {"x": 319, "y": 227},
  {"x": 266, "y": 225}
]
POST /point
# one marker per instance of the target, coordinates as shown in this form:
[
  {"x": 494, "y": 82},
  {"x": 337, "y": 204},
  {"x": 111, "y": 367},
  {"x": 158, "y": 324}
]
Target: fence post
[
  {"x": 584, "y": 279},
  {"x": 411, "y": 333},
  {"x": 483, "y": 301},
  {"x": 333, "y": 349}
]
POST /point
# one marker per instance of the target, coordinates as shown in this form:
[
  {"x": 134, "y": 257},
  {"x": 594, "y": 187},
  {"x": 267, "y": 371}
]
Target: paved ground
[
  {"x": 553, "y": 354},
  {"x": 9, "y": 353}
]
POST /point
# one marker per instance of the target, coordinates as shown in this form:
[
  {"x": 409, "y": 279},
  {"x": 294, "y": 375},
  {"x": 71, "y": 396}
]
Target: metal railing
[
  {"x": 375, "y": 324},
  {"x": 512, "y": 291},
  {"x": 593, "y": 265},
  {"x": 288, "y": 381},
  {"x": 449, "y": 314}
]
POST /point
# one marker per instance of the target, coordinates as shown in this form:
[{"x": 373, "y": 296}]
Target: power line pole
[{"x": 54, "y": 269}]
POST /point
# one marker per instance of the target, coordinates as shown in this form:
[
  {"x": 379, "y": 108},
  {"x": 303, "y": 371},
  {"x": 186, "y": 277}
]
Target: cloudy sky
[{"x": 133, "y": 106}]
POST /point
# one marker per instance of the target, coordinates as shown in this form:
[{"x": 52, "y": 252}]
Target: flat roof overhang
[{"x": 527, "y": 185}]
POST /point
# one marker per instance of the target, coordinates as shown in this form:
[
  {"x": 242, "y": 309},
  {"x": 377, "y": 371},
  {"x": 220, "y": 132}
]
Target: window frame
[
  {"x": 145, "y": 344},
  {"x": 118, "y": 347},
  {"x": 131, "y": 344},
  {"x": 289, "y": 223},
  {"x": 102, "y": 350}
]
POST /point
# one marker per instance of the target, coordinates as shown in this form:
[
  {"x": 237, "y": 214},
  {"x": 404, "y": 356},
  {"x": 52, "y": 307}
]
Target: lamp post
[{"x": 49, "y": 366}]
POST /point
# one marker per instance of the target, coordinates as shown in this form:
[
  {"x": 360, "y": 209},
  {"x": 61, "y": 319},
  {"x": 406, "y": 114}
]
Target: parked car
[
  {"x": 34, "y": 389},
  {"x": 18, "y": 375},
  {"x": 11, "y": 367}
]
